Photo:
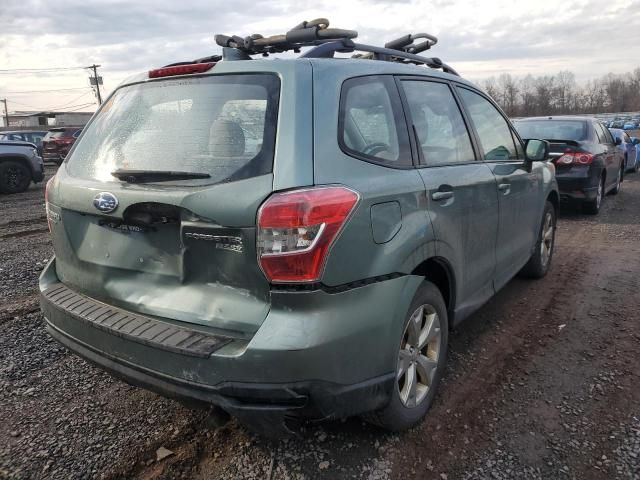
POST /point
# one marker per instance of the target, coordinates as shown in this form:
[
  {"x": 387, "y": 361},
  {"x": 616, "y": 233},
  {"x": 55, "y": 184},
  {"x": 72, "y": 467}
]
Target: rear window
[
  {"x": 552, "y": 129},
  {"x": 221, "y": 125},
  {"x": 54, "y": 134}
]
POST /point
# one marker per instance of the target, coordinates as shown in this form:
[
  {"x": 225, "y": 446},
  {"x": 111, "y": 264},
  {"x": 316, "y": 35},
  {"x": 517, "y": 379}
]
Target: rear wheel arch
[{"x": 438, "y": 271}]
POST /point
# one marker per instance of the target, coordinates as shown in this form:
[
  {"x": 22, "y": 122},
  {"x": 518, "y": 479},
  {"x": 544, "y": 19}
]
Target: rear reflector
[
  {"x": 297, "y": 228},
  {"x": 180, "y": 70},
  {"x": 46, "y": 201}
]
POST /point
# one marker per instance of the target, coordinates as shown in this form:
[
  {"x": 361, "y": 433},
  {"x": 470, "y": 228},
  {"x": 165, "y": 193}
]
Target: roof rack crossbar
[{"x": 327, "y": 50}]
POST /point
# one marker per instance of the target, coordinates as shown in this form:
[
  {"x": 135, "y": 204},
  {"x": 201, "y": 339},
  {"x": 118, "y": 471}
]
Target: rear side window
[
  {"x": 441, "y": 132},
  {"x": 220, "y": 125},
  {"x": 493, "y": 130},
  {"x": 605, "y": 134},
  {"x": 371, "y": 124}
]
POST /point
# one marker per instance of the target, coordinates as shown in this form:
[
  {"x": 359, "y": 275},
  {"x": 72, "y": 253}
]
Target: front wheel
[
  {"x": 421, "y": 358},
  {"x": 538, "y": 264},
  {"x": 14, "y": 177}
]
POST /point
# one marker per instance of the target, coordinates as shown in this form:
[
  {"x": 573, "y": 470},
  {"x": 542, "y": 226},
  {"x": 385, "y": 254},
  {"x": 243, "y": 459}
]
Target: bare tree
[
  {"x": 508, "y": 93},
  {"x": 560, "y": 94}
]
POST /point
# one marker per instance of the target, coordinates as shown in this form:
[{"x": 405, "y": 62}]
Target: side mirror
[
  {"x": 536, "y": 150},
  {"x": 618, "y": 141},
  {"x": 635, "y": 140}
]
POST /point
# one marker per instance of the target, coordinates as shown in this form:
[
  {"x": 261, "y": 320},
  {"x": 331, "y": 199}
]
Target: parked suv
[
  {"x": 304, "y": 242},
  {"x": 57, "y": 143},
  {"x": 588, "y": 162},
  {"x": 31, "y": 136},
  {"x": 19, "y": 166}
]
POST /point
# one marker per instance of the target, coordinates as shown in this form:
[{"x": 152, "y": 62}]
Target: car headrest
[{"x": 226, "y": 139}]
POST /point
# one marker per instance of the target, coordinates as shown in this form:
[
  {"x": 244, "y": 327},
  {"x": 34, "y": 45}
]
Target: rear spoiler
[
  {"x": 573, "y": 143},
  {"x": 17, "y": 143}
]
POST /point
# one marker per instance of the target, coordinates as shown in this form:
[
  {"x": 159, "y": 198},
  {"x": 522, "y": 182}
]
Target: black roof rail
[{"x": 327, "y": 41}]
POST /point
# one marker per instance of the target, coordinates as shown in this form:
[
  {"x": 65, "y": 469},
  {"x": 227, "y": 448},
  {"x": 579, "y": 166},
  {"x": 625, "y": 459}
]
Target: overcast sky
[{"x": 478, "y": 38}]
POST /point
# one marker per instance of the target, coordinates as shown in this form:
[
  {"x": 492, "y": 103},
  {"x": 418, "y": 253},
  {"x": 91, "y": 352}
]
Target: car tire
[
  {"x": 636, "y": 167},
  {"x": 539, "y": 263},
  {"x": 619, "y": 180},
  {"x": 426, "y": 321},
  {"x": 15, "y": 177},
  {"x": 592, "y": 207}
]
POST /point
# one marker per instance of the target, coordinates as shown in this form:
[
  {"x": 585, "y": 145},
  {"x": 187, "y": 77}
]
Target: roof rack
[{"x": 328, "y": 41}]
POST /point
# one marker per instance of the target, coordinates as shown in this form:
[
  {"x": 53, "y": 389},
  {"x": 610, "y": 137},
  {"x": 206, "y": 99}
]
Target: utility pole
[
  {"x": 96, "y": 81},
  {"x": 6, "y": 112}
]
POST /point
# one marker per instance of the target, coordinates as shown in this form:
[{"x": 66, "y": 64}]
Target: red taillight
[
  {"x": 180, "y": 70},
  {"x": 576, "y": 158},
  {"x": 296, "y": 230},
  {"x": 63, "y": 140},
  {"x": 46, "y": 200}
]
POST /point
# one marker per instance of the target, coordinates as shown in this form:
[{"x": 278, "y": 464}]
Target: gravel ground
[{"x": 542, "y": 382}]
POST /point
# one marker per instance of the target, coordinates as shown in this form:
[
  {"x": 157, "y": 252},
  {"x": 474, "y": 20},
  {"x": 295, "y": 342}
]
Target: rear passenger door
[
  {"x": 519, "y": 188},
  {"x": 461, "y": 192},
  {"x": 612, "y": 155}
]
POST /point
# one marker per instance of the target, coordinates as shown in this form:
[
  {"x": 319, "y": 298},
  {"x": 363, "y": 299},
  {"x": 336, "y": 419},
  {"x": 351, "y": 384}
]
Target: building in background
[{"x": 31, "y": 119}]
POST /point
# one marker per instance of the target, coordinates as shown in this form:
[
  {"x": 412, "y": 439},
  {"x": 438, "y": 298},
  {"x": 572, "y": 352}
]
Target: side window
[
  {"x": 493, "y": 129},
  {"x": 371, "y": 124},
  {"x": 599, "y": 132},
  {"x": 608, "y": 138},
  {"x": 442, "y": 134},
  {"x": 519, "y": 147},
  {"x": 626, "y": 138}
]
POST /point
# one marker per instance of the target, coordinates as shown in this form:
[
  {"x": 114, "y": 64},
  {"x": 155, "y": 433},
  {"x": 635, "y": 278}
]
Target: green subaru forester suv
[{"x": 292, "y": 238}]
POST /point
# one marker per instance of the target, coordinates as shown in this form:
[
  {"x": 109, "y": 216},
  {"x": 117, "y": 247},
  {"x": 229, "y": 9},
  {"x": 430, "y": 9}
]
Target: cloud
[{"x": 478, "y": 38}]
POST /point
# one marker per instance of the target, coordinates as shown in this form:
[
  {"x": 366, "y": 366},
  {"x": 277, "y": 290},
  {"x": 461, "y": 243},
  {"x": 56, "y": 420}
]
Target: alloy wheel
[
  {"x": 599, "y": 196},
  {"x": 546, "y": 242},
  {"x": 15, "y": 177},
  {"x": 418, "y": 356}
]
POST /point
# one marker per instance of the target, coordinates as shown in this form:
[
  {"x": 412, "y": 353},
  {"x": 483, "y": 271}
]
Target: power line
[
  {"x": 65, "y": 105},
  {"x": 35, "y": 70},
  {"x": 80, "y": 107},
  {"x": 50, "y": 90}
]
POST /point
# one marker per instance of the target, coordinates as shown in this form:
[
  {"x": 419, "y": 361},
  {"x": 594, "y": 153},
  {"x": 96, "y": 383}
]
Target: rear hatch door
[{"x": 179, "y": 247}]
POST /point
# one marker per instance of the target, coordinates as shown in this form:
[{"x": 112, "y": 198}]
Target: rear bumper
[
  {"x": 317, "y": 355},
  {"x": 256, "y": 403},
  {"x": 578, "y": 184},
  {"x": 52, "y": 157},
  {"x": 38, "y": 171}
]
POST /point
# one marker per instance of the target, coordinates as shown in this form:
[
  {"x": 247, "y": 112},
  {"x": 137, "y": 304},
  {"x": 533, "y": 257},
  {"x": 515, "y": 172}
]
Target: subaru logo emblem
[{"x": 105, "y": 202}]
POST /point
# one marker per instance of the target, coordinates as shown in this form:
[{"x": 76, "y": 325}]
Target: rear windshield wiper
[{"x": 145, "y": 176}]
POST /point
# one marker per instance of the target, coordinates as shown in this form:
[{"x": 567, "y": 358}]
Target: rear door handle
[{"x": 441, "y": 195}]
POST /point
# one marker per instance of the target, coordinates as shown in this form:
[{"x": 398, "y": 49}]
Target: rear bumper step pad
[{"x": 132, "y": 326}]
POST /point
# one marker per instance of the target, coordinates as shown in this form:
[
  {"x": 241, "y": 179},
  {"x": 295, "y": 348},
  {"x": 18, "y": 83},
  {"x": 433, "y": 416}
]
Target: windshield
[
  {"x": 552, "y": 129},
  {"x": 223, "y": 126}
]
